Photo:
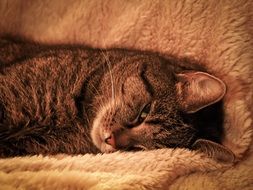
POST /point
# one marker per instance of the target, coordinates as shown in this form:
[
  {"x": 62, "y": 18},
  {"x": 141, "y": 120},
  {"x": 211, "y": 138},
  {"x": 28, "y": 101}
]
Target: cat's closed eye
[{"x": 142, "y": 115}]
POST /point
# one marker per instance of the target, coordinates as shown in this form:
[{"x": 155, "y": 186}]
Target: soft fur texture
[
  {"x": 64, "y": 99},
  {"x": 216, "y": 33}
]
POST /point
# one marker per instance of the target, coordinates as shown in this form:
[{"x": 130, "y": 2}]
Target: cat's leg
[{"x": 33, "y": 138}]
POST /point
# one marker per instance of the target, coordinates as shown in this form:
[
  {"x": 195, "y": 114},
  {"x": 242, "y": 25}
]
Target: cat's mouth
[
  {"x": 135, "y": 148},
  {"x": 109, "y": 149}
]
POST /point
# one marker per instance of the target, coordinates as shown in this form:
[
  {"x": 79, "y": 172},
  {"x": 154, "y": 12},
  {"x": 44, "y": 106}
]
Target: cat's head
[{"x": 142, "y": 103}]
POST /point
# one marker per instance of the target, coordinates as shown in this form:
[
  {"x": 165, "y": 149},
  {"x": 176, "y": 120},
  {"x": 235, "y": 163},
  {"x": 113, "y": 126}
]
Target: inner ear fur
[
  {"x": 197, "y": 90},
  {"x": 214, "y": 150}
]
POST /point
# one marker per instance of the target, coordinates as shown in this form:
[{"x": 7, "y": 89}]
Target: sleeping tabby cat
[{"x": 74, "y": 99}]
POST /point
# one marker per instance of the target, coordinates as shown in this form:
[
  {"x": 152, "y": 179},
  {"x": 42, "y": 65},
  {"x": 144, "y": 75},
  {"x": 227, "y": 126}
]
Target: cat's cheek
[
  {"x": 142, "y": 127},
  {"x": 142, "y": 132}
]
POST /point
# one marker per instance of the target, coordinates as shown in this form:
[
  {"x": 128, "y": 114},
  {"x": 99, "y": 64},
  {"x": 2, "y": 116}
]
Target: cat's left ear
[
  {"x": 197, "y": 90},
  {"x": 214, "y": 150}
]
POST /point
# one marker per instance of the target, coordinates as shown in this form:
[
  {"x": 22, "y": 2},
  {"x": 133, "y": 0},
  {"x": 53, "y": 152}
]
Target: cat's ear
[
  {"x": 214, "y": 150},
  {"x": 197, "y": 90}
]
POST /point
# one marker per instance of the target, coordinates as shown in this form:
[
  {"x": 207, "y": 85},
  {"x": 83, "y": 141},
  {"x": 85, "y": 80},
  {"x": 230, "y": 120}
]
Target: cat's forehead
[
  {"x": 143, "y": 75},
  {"x": 148, "y": 66}
]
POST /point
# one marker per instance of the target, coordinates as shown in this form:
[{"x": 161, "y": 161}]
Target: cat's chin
[{"x": 107, "y": 148}]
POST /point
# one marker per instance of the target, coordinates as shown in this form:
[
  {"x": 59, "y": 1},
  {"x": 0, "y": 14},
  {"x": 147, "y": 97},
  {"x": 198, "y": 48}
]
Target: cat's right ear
[
  {"x": 214, "y": 150},
  {"x": 197, "y": 90}
]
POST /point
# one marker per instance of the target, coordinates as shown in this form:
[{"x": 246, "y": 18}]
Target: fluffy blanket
[{"x": 216, "y": 33}]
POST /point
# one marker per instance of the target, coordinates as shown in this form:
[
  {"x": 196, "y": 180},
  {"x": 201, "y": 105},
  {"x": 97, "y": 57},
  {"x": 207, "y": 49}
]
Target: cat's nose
[{"x": 109, "y": 139}]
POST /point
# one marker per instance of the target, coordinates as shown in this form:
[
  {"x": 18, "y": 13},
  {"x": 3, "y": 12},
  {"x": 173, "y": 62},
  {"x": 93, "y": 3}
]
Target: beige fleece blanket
[{"x": 218, "y": 34}]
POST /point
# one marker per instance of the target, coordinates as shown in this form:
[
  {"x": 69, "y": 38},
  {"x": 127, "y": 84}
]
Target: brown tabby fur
[{"x": 50, "y": 95}]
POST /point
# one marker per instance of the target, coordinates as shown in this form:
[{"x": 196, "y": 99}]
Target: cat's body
[{"x": 66, "y": 99}]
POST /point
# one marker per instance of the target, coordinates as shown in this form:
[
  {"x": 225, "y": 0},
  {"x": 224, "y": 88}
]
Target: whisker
[
  {"x": 141, "y": 147},
  {"x": 87, "y": 117},
  {"x": 94, "y": 88},
  {"x": 110, "y": 72}
]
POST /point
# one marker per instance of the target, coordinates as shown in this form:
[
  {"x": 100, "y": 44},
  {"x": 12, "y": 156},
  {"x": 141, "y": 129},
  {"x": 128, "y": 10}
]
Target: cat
[{"x": 76, "y": 99}]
